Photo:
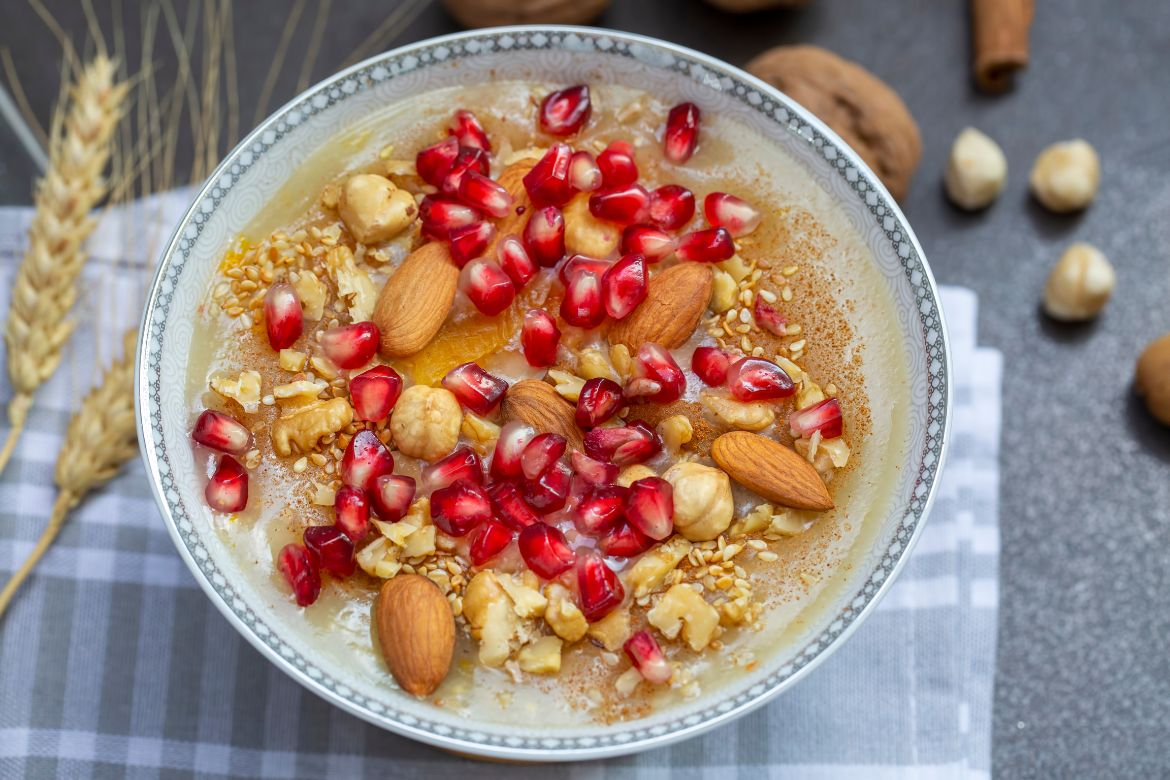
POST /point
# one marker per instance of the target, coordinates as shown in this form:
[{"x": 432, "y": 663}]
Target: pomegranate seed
[
  {"x": 624, "y": 285},
  {"x": 593, "y": 472},
  {"x": 578, "y": 263},
  {"x": 515, "y": 260},
  {"x": 582, "y": 304},
  {"x": 769, "y": 319},
  {"x": 632, "y": 443},
  {"x": 671, "y": 206},
  {"x": 434, "y": 162},
  {"x": 487, "y": 195},
  {"x": 222, "y": 432},
  {"x": 463, "y": 464},
  {"x": 510, "y": 506},
  {"x": 469, "y": 132},
  {"x": 824, "y": 417},
  {"x": 227, "y": 490},
  {"x": 351, "y": 346},
  {"x": 549, "y": 492},
  {"x": 584, "y": 174},
  {"x": 541, "y": 453},
  {"x": 283, "y": 317},
  {"x": 439, "y": 216},
  {"x": 331, "y": 548},
  {"x": 565, "y": 111},
  {"x": 710, "y": 364},
  {"x": 624, "y": 541},
  {"x": 617, "y": 165},
  {"x": 548, "y": 182},
  {"x": 545, "y": 550},
  {"x": 624, "y": 205},
  {"x": 600, "y": 509},
  {"x": 544, "y": 236},
  {"x": 682, "y": 133},
  {"x": 487, "y": 286},
  {"x": 468, "y": 159},
  {"x": 644, "y": 653},
  {"x": 514, "y": 438},
  {"x": 728, "y": 211},
  {"x": 713, "y": 245},
  {"x": 488, "y": 541},
  {"x": 365, "y": 459},
  {"x": 470, "y": 241},
  {"x": 539, "y": 338},
  {"x": 601, "y": 590},
  {"x": 475, "y": 388},
  {"x": 392, "y": 496},
  {"x": 459, "y": 507},
  {"x": 648, "y": 241},
  {"x": 300, "y": 571},
  {"x": 650, "y": 507},
  {"x": 754, "y": 379},
  {"x": 657, "y": 375},
  {"x": 374, "y": 392},
  {"x": 351, "y": 511},
  {"x": 599, "y": 400}
]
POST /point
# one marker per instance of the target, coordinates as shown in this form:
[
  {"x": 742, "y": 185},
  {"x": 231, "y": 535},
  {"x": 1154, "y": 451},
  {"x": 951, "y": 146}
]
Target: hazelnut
[
  {"x": 1152, "y": 378},
  {"x": 586, "y": 234},
  {"x": 976, "y": 170},
  {"x": 703, "y": 506},
  {"x": 1065, "y": 176},
  {"x": 373, "y": 209},
  {"x": 1080, "y": 284},
  {"x": 426, "y": 422}
]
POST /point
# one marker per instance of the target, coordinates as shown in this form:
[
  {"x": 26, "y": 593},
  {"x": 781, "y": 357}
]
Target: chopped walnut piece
[
  {"x": 302, "y": 390},
  {"x": 374, "y": 209},
  {"x": 631, "y": 474},
  {"x": 305, "y": 426},
  {"x": 563, "y": 615},
  {"x": 354, "y": 286},
  {"x": 481, "y": 433},
  {"x": 292, "y": 360},
  {"x": 682, "y": 609},
  {"x": 675, "y": 431},
  {"x": 612, "y": 630},
  {"x": 493, "y": 622},
  {"x": 379, "y": 558},
  {"x": 542, "y": 656},
  {"x": 528, "y": 602},
  {"x": 651, "y": 569},
  {"x": 567, "y": 385},
  {"x": 751, "y": 416},
  {"x": 244, "y": 390},
  {"x": 593, "y": 364},
  {"x": 723, "y": 292},
  {"x": 313, "y": 294}
]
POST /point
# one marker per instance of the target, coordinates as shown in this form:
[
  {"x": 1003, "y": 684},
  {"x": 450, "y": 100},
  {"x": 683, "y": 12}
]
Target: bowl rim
[{"x": 636, "y": 743}]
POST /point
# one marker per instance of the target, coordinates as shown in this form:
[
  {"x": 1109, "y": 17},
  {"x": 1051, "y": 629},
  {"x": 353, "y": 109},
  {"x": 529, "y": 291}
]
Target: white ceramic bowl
[{"x": 270, "y": 155}]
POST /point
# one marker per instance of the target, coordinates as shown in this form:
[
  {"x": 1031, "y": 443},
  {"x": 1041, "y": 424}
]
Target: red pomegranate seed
[
  {"x": 584, "y": 174},
  {"x": 582, "y": 305},
  {"x": 617, "y": 165},
  {"x": 624, "y": 541},
  {"x": 728, "y": 211},
  {"x": 373, "y": 393},
  {"x": 682, "y": 133},
  {"x": 459, "y": 507},
  {"x": 599, "y": 400},
  {"x": 624, "y": 285},
  {"x": 656, "y": 375},
  {"x": 469, "y": 132},
  {"x": 331, "y": 548},
  {"x": 283, "y": 317},
  {"x": 351, "y": 346},
  {"x": 769, "y": 319},
  {"x": 539, "y": 338},
  {"x": 300, "y": 571},
  {"x": 671, "y": 206},
  {"x": 713, "y": 245},
  {"x": 516, "y": 262},
  {"x": 475, "y": 388},
  {"x": 565, "y": 111},
  {"x": 351, "y": 510},
  {"x": 824, "y": 416},
  {"x": 392, "y": 496},
  {"x": 434, "y": 162},
  {"x": 514, "y": 437},
  {"x": 470, "y": 241},
  {"x": 544, "y": 236},
  {"x": 227, "y": 490},
  {"x": 545, "y": 550},
  {"x": 644, "y": 653},
  {"x": 463, "y": 464},
  {"x": 648, "y": 241},
  {"x": 480, "y": 192},
  {"x": 365, "y": 459},
  {"x": 549, "y": 492},
  {"x": 468, "y": 159},
  {"x": 710, "y": 364},
  {"x": 650, "y": 507},
  {"x": 542, "y": 453},
  {"x": 593, "y": 472},
  {"x": 488, "y": 541},
  {"x": 510, "y": 506},
  {"x": 548, "y": 182},
  {"x": 599, "y": 509},
  {"x": 755, "y": 379},
  {"x": 439, "y": 216},
  {"x": 634, "y": 442},
  {"x": 601, "y": 590},
  {"x": 624, "y": 205},
  {"x": 487, "y": 286},
  {"x": 222, "y": 432},
  {"x": 578, "y": 263}
]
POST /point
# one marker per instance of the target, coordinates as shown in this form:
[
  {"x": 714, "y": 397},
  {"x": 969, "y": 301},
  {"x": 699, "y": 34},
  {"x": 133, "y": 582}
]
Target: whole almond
[
  {"x": 416, "y": 299},
  {"x": 674, "y": 303},
  {"x": 772, "y": 470},
  {"x": 537, "y": 404},
  {"x": 416, "y": 631}
]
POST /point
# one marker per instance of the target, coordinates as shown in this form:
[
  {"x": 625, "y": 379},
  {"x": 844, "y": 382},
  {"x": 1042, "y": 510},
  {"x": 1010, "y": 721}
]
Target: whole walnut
[
  {"x": 1152, "y": 378},
  {"x": 490, "y": 13}
]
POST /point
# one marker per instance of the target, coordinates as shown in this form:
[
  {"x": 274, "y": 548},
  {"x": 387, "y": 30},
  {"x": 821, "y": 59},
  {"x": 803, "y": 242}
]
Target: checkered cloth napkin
[{"x": 114, "y": 664}]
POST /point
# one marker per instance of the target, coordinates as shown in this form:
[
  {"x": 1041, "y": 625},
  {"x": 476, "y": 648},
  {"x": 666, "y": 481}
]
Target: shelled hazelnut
[
  {"x": 1080, "y": 284},
  {"x": 976, "y": 170},
  {"x": 1065, "y": 176}
]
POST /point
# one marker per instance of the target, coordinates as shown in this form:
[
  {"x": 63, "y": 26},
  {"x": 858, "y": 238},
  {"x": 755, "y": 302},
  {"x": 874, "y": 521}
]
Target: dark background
[{"x": 1083, "y": 685}]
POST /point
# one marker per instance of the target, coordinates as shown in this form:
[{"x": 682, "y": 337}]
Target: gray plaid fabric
[{"x": 114, "y": 664}]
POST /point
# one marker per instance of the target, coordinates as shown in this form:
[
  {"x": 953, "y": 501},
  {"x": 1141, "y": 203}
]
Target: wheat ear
[
  {"x": 46, "y": 283},
  {"x": 102, "y": 436}
]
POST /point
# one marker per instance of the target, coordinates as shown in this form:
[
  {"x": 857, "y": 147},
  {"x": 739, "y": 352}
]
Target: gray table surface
[{"x": 1083, "y": 684}]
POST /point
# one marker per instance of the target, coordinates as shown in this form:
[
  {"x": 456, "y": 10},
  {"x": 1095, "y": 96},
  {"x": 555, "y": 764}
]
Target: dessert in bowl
[{"x": 613, "y": 372}]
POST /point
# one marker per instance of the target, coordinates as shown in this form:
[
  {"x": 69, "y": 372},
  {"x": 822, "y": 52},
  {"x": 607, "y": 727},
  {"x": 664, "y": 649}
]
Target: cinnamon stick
[{"x": 999, "y": 41}]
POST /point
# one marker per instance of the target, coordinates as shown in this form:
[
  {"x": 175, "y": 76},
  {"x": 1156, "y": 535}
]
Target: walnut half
[{"x": 305, "y": 425}]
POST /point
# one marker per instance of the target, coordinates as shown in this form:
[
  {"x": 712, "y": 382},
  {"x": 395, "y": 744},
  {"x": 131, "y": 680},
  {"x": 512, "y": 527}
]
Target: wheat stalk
[
  {"x": 46, "y": 283},
  {"x": 102, "y": 436}
]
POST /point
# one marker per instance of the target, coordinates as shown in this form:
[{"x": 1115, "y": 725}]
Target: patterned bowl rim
[{"x": 601, "y": 740}]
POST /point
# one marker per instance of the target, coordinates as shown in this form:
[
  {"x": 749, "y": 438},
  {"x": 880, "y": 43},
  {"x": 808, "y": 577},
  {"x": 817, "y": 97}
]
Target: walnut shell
[
  {"x": 748, "y": 6},
  {"x": 489, "y": 13},
  {"x": 1152, "y": 378}
]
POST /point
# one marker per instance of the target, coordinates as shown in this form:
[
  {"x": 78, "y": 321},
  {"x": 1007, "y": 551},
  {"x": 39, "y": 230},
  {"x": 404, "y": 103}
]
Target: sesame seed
[
  {"x": 797, "y": 346},
  {"x": 768, "y": 296},
  {"x": 768, "y": 556},
  {"x": 301, "y": 464},
  {"x": 786, "y": 294},
  {"x": 745, "y": 316},
  {"x": 793, "y": 330},
  {"x": 789, "y": 270},
  {"x": 745, "y": 344},
  {"x": 744, "y": 328},
  {"x": 757, "y": 544}
]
